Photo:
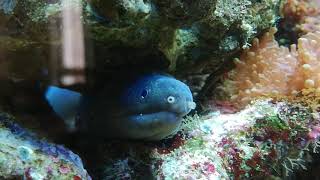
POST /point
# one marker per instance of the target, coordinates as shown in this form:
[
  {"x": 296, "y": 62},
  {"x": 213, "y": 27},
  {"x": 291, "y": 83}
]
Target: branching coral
[{"x": 269, "y": 69}]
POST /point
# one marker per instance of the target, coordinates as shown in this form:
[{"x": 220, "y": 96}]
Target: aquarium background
[{"x": 252, "y": 68}]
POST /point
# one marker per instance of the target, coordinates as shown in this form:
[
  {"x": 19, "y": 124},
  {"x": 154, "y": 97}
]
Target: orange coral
[
  {"x": 265, "y": 68},
  {"x": 306, "y": 13},
  {"x": 311, "y": 21},
  {"x": 297, "y": 10},
  {"x": 269, "y": 69},
  {"x": 309, "y": 57}
]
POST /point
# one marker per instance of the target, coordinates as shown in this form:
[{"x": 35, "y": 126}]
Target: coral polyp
[{"x": 268, "y": 69}]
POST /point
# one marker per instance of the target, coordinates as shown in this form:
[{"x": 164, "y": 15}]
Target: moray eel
[{"x": 149, "y": 108}]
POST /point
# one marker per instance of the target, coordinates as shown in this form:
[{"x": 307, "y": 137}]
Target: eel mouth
[
  {"x": 160, "y": 133},
  {"x": 189, "y": 107}
]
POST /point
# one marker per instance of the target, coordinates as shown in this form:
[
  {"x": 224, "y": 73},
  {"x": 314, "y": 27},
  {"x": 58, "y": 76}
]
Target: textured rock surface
[
  {"x": 193, "y": 40},
  {"x": 22, "y": 155},
  {"x": 265, "y": 140},
  {"x": 183, "y": 37}
]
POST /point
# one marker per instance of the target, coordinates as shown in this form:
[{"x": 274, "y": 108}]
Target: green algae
[{"x": 201, "y": 32}]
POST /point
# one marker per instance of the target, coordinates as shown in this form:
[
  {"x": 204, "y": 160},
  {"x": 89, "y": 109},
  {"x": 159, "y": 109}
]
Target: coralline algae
[
  {"x": 23, "y": 155},
  {"x": 266, "y": 139}
]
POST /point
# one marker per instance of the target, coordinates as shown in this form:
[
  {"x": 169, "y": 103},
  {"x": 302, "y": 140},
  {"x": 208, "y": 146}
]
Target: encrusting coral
[
  {"x": 266, "y": 140},
  {"x": 267, "y": 69}
]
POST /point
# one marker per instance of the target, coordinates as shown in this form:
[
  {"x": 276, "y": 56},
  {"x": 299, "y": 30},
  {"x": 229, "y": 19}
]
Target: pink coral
[
  {"x": 263, "y": 69},
  {"x": 310, "y": 22},
  {"x": 297, "y": 10},
  {"x": 269, "y": 69},
  {"x": 304, "y": 13},
  {"x": 309, "y": 56},
  {"x": 314, "y": 133}
]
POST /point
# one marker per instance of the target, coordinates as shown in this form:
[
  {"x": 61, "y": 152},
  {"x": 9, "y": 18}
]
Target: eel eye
[
  {"x": 171, "y": 99},
  {"x": 144, "y": 93}
]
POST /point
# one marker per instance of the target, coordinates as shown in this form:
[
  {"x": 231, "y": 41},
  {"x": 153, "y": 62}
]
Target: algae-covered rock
[
  {"x": 187, "y": 33},
  {"x": 266, "y": 140},
  {"x": 23, "y": 155},
  {"x": 183, "y": 37}
]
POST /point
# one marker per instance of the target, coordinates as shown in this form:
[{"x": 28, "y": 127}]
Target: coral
[
  {"x": 23, "y": 155},
  {"x": 264, "y": 69},
  {"x": 266, "y": 139},
  {"x": 310, "y": 24},
  {"x": 179, "y": 36},
  {"x": 309, "y": 55},
  {"x": 297, "y": 10},
  {"x": 303, "y": 15},
  {"x": 188, "y": 37},
  {"x": 309, "y": 14},
  {"x": 310, "y": 21},
  {"x": 260, "y": 141},
  {"x": 279, "y": 70},
  {"x": 267, "y": 69}
]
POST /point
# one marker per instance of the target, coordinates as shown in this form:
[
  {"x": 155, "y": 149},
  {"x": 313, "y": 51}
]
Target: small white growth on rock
[
  {"x": 232, "y": 122},
  {"x": 25, "y": 153},
  {"x": 210, "y": 130},
  {"x": 36, "y": 175},
  {"x": 137, "y": 6}
]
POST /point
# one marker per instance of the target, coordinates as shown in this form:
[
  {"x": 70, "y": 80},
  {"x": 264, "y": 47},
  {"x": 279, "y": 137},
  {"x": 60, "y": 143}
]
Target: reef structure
[
  {"x": 267, "y": 139},
  {"x": 301, "y": 16},
  {"x": 260, "y": 141},
  {"x": 22, "y": 155},
  {"x": 185, "y": 38},
  {"x": 278, "y": 63}
]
